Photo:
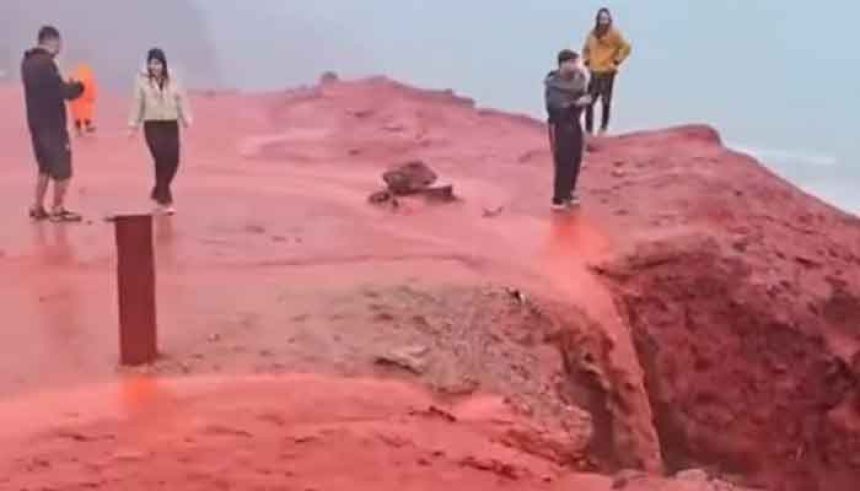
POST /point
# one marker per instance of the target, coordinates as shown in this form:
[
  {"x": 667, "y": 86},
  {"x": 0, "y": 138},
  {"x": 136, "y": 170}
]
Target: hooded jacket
[
  {"x": 562, "y": 93},
  {"x": 604, "y": 54},
  {"x": 46, "y": 92},
  {"x": 155, "y": 103}
]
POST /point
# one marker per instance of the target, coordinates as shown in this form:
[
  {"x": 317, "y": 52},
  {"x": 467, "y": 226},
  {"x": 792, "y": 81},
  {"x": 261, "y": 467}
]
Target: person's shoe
[
  {"x": 62, "y": 215},
  {"x": 39, "y": 214},
  {"x": 164, "y": 210},
  {"x": 556, "y": 206},
  {"x": 603, "y": 132},
  {"x": 574, "y": 202}
]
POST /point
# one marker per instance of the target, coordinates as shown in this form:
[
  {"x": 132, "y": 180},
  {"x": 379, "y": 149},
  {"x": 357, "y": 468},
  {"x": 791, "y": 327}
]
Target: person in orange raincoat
[{"x": 83, "y": 108}]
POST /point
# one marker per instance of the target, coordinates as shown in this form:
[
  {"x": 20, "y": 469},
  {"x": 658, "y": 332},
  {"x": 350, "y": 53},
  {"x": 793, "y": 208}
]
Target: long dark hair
[
  {"x": 158, "y": 54},
  {"x": 600, "y": 30}
]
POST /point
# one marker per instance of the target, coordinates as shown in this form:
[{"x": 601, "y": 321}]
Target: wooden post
[{"x": 136, "y": 289}]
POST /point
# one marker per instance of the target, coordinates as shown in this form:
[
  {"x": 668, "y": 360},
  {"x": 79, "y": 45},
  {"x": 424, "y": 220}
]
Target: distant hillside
[{"x": 113, "y": 36}]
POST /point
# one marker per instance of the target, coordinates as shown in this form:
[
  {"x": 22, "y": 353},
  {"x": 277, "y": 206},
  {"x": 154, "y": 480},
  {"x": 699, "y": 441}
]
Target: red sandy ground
[{"x": 696, "y": 312}]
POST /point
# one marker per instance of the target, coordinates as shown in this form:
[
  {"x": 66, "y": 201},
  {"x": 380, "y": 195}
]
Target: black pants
[
  {"x": 567, "y": 144},
  {"x": 162, "y": 138},
  {"x": 600, "y": 87}
]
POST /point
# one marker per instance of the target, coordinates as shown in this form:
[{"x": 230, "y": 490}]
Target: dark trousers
[
  {"x": 162, "y": 138},
  {"x": 567, "y": 144},
  {"x": 601, "y": 88}
]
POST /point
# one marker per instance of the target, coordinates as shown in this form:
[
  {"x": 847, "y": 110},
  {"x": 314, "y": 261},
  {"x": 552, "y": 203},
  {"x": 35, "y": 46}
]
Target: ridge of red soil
[{"x": 696, "y": 312}]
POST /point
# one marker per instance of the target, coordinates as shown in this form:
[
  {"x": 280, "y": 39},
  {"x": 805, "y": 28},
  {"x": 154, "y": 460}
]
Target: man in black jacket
[
  {"x": 46, "y": 94},
  {"x": 566, "y": 96}
]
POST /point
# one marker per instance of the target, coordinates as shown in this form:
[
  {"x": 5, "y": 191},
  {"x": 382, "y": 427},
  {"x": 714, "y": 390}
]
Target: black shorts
[{"x": 53, "y": 153}]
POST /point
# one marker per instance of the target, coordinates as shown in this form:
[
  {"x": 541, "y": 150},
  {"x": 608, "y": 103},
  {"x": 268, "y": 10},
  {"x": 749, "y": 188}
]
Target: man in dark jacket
[
  {"x": 566, "y": 97},
  {"x": 46, "y": 94}
]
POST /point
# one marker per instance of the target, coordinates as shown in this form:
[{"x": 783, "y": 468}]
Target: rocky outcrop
[
  {"x": 742, "y": 297},
  {"x": 409, "y": 179}
]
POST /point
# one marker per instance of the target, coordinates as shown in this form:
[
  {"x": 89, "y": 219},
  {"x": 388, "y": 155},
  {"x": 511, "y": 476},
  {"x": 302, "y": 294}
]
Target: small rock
[
  {"x": 692, "y": 475},
  {"x": 442, "y": 194},
  {"x": 517, "y": 295},
  {"x": 304, "y": 438},
  {"x": 380, "y": 197},
  {"x": 409, "y": 178},
  {"x": 594, "y": 145},
  {"x": 493, "y": 212},
  {"x": 329, "y": 78},
  {"x": 626, "y": 477},
  {"x": 408, "y": 358},
  {"x": 618, "y": 173},
  {"x": 807, "y": 262},
  {"x": 531, "y": 156},
  {"x": 441, "y": 413},
  {"x": 383, "y": 317},
  {"x": 394, "y": 128},
  {"x": 497, "y": 467},
  {"x": 129, "y": 455},
  {"x": 393, "y": 440},
  {"x": 458, "y": 386}
]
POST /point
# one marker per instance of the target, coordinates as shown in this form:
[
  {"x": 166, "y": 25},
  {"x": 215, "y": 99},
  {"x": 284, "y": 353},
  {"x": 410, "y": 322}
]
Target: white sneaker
[
  {"x": 165, "y": 210},
  {"x": 560, "y": 207}
]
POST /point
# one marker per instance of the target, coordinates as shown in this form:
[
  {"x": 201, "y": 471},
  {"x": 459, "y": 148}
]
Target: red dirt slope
[{"x": 696, "y": 312}]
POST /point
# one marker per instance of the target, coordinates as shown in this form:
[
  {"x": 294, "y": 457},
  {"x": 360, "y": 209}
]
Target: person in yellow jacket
[
  {"x": 83, "y": 108},
  {"x": 604, "y": 52}
]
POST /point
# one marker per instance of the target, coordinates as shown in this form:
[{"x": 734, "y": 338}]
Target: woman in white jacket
[{"x": 160, "y": 106}]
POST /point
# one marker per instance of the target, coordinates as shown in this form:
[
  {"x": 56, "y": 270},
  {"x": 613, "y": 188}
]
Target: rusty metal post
[{"x": 136, "y": 289}]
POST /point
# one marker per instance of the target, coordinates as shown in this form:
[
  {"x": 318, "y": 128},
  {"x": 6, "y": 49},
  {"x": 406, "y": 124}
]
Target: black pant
[
  {"x": 600, "y": 87},
  {"x": 567, "y": 144},
  {"x": 162, "y": 138}
]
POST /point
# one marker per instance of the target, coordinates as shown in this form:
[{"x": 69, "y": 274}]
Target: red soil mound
[{"x": 696, "y": 312}]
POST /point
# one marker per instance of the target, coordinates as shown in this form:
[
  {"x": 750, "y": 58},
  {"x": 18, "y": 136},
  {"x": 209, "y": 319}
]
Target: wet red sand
[{"x": 640, "y": 343}]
